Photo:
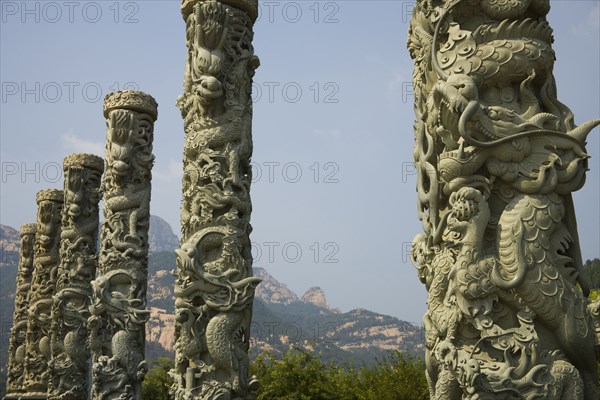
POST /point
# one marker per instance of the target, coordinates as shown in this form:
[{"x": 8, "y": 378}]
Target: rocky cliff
[
  {"x": 316, "y": 296},
  {"x": 272, "y": 291},
  {"x": 9, "y": 242},
  {"x": 161, "y": 236}
]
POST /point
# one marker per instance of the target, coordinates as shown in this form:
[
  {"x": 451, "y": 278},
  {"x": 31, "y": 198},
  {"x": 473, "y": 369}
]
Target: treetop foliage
[{"x": 302, "y": 375}]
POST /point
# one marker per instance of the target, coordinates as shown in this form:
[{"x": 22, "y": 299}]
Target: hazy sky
[{"x": 334, "y": 193}]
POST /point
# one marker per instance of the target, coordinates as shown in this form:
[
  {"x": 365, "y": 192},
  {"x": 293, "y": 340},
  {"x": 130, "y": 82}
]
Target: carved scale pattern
[
  {"x": 16, "y": 350},
  {"x": 78, "y": 263},
  {"x": 118, "y": 311},
  {"x": 43, "y": 285},
  {"x": 214, "y": 286},
  {"x": 498, "y": 157}
]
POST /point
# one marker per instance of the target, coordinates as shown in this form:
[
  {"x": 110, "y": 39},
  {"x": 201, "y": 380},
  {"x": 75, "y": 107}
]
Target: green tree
[
  {"x": 300, "y": 375},
  {"x": 398, "y": 377},
  {"x": 157, "y": 383},
  {"x": 591, "y": 270}
]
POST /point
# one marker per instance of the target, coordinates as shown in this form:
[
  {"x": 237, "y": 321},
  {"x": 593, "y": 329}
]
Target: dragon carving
[
  {"x": 498, "y": 158},
  {"x": 78, "y": 262},
  {"x": 118, "y": 312},
  {"x": 43, "y": 282},
  {"x": 214, "y": 287},
  {"x": 17, "y": 347}
]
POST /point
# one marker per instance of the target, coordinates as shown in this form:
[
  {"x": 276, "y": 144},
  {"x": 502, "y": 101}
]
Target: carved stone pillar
[
  {"x": 214, "y": 287},
  {"x": 78, "y": 262},
  {"x": 498, "y": 157},
  {"x": 43, "y": 285},
  {"x": 16, "y": 349},
  {"x": 118, "y": 313}
]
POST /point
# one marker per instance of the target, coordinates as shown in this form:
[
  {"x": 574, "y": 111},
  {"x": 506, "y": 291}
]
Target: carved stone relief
[
  {"x": 16, "y": 350},
  {"x": 78, "y": 263},
  {"x": 118, "y": 311},
  {"x": 498, "y": 157},
  {"x": 214, "y": 284},
  {"x": 43, "y": 285}
]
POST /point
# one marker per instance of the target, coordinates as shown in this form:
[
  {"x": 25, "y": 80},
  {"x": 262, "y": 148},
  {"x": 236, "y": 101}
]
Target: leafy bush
[
  {"x": 297, "y": 376},
  {"x": 400, "y": 377},
  {"x": 591, "y": 270},
  {"x": 157, "y": 382},
  {"x": 300, "y": 375}
]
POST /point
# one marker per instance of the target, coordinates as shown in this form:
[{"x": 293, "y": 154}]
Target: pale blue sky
[{"x": 349, "y": 133}]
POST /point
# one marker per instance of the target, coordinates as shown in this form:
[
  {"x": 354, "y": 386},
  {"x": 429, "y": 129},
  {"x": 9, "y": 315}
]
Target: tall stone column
[
  {"x": 43, "y": 285},
  {"x": 16, "y": 349},
  {"x": 78, "y": 262},
  {"x": 118, "y": 313},
  {"x": 214, "y": 286},
  {"x": 498, "y": 158}
]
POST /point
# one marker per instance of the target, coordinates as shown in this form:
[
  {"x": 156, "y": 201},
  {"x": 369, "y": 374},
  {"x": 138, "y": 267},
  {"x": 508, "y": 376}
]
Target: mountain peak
[
  {"x": 316, "y": 296},
  {"x": 9, "y": 239},
  {"x": 272, "y": 291},
  {"x": 161, "y": 236}
]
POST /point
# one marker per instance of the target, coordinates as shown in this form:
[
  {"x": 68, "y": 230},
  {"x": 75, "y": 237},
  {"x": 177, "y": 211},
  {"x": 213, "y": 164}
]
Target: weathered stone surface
[
  {"x": 498, "y": 157},
  {"x": 17, "y": 347},
  {"x": 215, "y": 287},
  {"x": 118, "y": 312},
  {"x": 78, "y": 263},
  {"x": 250, "y": 7},
  {"x": 43, "y": 285}
]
